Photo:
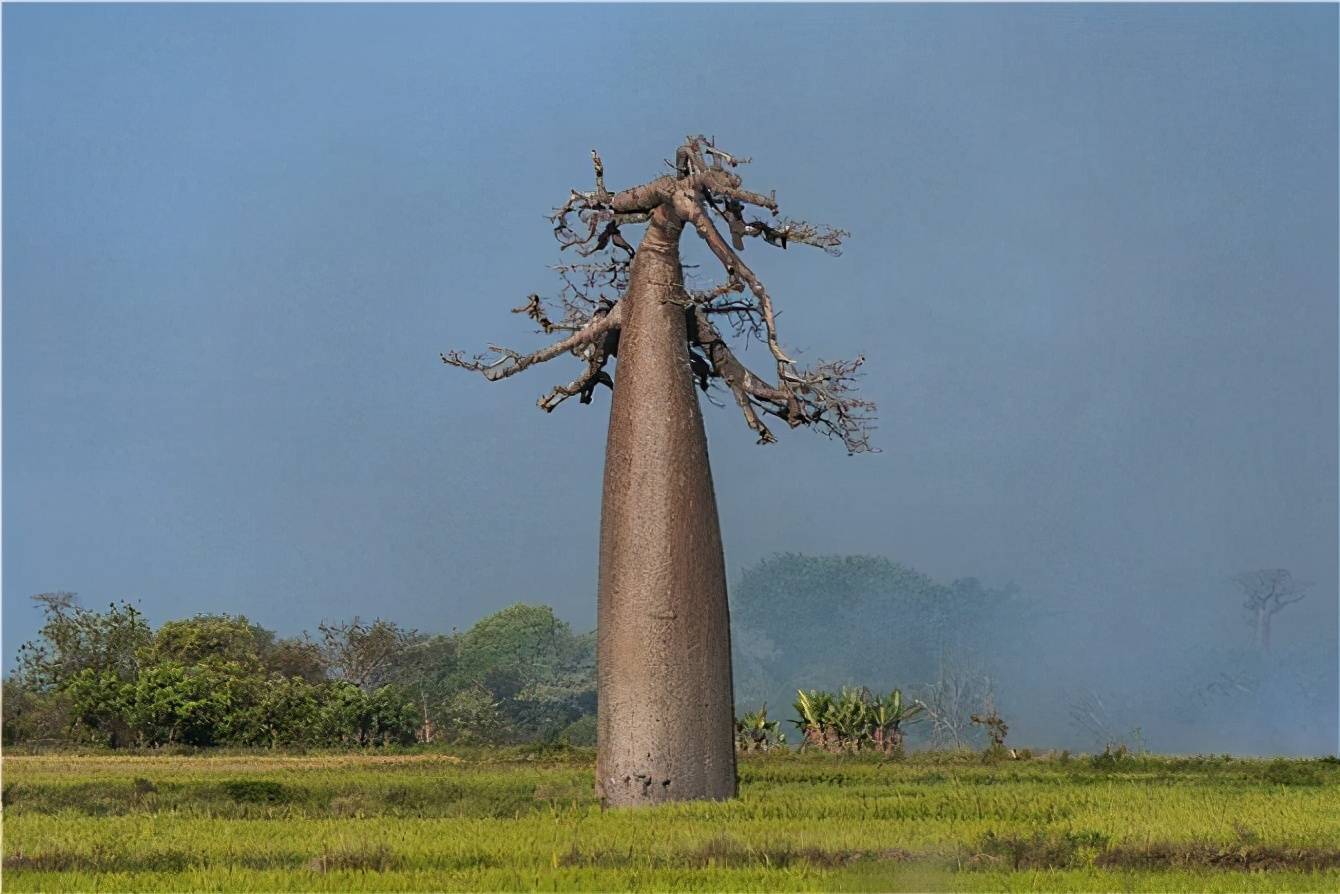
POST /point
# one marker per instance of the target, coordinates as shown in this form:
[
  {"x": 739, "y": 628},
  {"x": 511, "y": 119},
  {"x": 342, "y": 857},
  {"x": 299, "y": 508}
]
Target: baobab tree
[
  {"x": 1268, "y": 591},
  {"x": 665, "y": 714}
]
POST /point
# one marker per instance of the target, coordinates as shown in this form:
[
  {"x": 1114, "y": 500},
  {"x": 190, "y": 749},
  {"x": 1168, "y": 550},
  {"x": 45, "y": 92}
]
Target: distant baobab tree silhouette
[{"x": 1267, "y": 592}]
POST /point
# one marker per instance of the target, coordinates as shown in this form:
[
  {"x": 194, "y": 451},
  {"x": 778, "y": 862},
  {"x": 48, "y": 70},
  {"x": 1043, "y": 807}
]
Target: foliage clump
[
  {"x": 108, "y": 679},
  {"x": 755, "y": 732},
  {"x": 854, "y": 720}
]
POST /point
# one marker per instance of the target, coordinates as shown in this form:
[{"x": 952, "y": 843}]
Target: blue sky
[{"x": 1093, "y": 267}]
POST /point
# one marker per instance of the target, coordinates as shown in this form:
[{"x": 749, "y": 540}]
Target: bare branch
[
  {"x": 709, "y": 146},
  {"x": 605, "y": 211},
  {"x": 584, "y": 384},
  {"x": 749, "y": 198},
  {"x": 827, "y": 393},
  {"x": 705, "y": 297},
  {"x": 509, "y": 362},
  {"x": 584, "y": 289},
  {"x": 601, "y": 192},
  {"x": 563, "y": 231},
  {"x": 692, "y": 211},
  {"x": 1269, "y": 589},
  {"x": 827, "y": 238},
  {"x": 608, "y": 235},
  {"x": 743, "y": 316},
  {"x": 689, "y": 159},
  {"x": 820, "y": 397},
  {"x": 580, "y": 280},
  {"x": 534, "y": 308}
]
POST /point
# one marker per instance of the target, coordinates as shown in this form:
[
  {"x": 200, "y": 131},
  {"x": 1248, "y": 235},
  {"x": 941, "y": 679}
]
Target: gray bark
[{"x": 665, "y": 729}]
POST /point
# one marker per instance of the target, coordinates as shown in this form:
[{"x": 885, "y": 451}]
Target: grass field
[{"x": 515, "y": 821}]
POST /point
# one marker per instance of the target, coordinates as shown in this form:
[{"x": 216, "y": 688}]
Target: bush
[
  {"x": 755, "y": 732},
  {"x": 255, "y": 791},
  {"x": 1287, "y": 772},
  {"x": 854, "y": 719},
  {"x": 581, "y": 732},
  {"x": 1110, "y": 758},
  {"x": 473, "y": 717}
]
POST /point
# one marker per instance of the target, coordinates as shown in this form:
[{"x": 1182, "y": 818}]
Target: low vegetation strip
[{"x": 526, "y": 819}]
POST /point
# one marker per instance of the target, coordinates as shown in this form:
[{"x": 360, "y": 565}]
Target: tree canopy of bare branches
[{"x": 701, "y": 192}]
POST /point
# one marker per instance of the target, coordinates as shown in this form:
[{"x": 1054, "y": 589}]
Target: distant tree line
[
  {"x": 1185, "y": 682},
  {"x": 798, "y": 623},
  {"x": 108, "y": 678},
  {"x": 803, "y": 621}
]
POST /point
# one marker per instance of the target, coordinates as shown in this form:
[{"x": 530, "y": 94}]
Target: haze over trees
[
  {"x": 110, "y": 678},
  {"x": 1156, "y": 670}
]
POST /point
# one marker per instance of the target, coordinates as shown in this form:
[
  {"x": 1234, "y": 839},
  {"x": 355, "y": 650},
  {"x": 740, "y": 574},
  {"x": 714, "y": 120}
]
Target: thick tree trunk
[{"x": 666, "y": 716}]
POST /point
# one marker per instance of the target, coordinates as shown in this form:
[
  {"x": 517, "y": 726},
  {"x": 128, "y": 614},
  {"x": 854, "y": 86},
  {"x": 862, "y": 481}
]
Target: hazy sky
[{"x": 1093, "y": 267}]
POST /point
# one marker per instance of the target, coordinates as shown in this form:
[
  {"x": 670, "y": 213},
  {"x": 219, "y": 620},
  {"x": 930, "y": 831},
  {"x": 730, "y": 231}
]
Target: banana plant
[
  {"x": 849, "y": 718},
  {"x": 888, "y": 715},
  {"x": 854, "y": 719},
  {"x": 755, "y": 732},
  {"x": 813, "y": 708}
]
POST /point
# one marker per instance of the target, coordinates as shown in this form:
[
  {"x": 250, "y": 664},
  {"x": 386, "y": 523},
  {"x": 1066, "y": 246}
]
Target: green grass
[{"x": 516, "y": 821}]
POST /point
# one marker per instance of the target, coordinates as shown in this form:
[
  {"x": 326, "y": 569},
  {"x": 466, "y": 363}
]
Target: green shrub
[
  {"x": 1110, "y": 758},
  {"x": 855, "y": 719},
  {"x": 1287, "y": 772},
  {"x": 255, "y": 791},
  {"x": 581, "y": 732}
]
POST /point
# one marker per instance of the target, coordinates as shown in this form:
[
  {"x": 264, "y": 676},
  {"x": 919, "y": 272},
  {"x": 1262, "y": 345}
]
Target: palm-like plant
[
  {"x": 854, "y": 719},
  {"x": 848, "y": 718},
  {"x": 755, "y": 732},
  {"x": 889, "y": 714},
  {"x": 813, "y": 707}
]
